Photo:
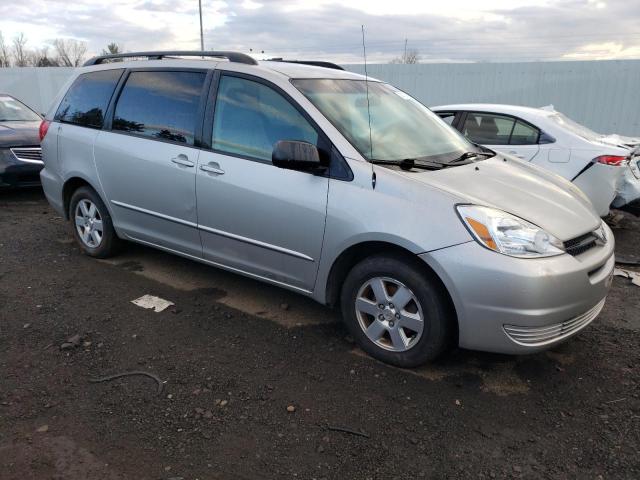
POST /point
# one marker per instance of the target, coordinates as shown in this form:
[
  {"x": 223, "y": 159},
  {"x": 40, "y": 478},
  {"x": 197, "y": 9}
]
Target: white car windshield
[
  {"x": 11, "y": 110},
  {"x": 401, "y": 127},
  {"x": 574, "y": 127}
]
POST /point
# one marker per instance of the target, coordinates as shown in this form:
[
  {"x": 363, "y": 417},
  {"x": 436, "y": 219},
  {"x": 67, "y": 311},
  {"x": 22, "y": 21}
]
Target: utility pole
[
  {"x": 404, "y": 59},
  {"x": 201, "y": 35}
]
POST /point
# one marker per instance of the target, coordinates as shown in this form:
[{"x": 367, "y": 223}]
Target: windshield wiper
[
  {"x": 409, "y": 163},
  {"x": 469, "y": 155}
]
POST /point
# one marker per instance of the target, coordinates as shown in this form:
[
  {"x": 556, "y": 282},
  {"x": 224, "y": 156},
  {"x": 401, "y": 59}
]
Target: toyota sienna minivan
[{"x": 339, "y": 187}]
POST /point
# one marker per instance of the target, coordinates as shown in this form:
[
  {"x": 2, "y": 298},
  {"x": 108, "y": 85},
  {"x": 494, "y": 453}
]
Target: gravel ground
[{"x": 261, "y": 383}]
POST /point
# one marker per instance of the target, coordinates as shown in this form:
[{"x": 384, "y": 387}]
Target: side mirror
[{"x": 294, "y": 155}]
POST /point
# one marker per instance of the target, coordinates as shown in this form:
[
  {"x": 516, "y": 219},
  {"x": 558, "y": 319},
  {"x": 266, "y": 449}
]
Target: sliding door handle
[{"x": 183, "y": 160}]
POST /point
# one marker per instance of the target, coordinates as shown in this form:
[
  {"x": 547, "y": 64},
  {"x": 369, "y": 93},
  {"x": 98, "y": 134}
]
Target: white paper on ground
[
  {"x": 149, "y": 301},
  {"x": 633, "y": 276}
]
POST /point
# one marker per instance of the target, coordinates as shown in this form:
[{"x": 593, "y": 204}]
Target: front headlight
[
  {"x": 505, "y": 233},
  {"x": 601, "y": 234}
]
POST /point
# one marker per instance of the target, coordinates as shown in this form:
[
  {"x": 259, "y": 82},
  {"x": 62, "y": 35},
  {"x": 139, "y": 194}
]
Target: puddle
[
  {"x": 498, "y": 378},
  {"x": 286, "y": 308}
]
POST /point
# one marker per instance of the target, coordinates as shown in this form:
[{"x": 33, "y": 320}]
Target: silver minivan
[{"x": 330, "y": 184}]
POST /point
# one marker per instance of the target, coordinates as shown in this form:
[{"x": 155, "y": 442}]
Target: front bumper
[
  {"x": 15, "y": 173},
  {"x": 512, "y": 305}
]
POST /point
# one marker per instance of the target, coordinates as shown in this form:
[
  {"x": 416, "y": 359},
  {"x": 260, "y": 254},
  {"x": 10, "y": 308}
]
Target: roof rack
[
  {"x": 231, "y": 56},
  {"x": 315, "y": 63}
]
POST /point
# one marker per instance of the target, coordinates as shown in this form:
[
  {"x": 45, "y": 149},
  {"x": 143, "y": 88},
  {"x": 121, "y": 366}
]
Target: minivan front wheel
[
  {"x": 92, "y": 225},
  {"x": 395, "y": 311}
]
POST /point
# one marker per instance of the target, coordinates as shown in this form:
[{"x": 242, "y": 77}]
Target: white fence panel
[
  {"x": 36, "y": 87},
  {"x": 603, "y": 95}
]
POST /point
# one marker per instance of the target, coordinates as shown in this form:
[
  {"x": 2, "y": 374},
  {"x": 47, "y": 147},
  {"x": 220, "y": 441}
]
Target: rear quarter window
[{"x": 86, "y": 101}]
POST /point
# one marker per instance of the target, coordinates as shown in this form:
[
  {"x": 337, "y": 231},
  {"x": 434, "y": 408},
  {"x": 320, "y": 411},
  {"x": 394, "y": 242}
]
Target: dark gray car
[{"x": 20, "y": 155}]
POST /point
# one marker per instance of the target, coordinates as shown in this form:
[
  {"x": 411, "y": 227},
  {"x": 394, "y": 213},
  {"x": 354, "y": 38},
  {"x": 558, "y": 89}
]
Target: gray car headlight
[{"x": 507, "y": 234}]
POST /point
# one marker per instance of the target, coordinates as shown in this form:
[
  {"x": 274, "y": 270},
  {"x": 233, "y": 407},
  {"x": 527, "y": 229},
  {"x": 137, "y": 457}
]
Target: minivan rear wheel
[
  {"x": 91, "y": 223},
  {"x": 395, "y": 311}
]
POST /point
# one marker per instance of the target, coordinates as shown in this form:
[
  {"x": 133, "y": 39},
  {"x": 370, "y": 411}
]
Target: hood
[
  {"x": 538, "y": 196},
  {"x": 16, "y": 134},
  {"x": 620, "y": 141}
]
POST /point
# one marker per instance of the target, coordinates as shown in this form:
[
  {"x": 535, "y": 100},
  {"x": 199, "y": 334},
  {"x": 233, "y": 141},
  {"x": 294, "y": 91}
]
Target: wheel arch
[
  {"x": 70, "y": 186},
  {"x": 358, "y": 252}
]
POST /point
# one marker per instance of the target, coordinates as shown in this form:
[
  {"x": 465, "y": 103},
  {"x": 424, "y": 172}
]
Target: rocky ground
[{"x": 261, "y": 383}]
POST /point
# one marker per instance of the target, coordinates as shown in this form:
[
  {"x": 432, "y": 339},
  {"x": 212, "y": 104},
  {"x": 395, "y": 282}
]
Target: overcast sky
[{"x": 440, "y": 30}]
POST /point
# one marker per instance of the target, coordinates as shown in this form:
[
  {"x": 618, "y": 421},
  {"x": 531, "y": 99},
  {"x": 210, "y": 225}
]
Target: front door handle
[
  {"x": 212, "y": 167},
  {"x": 183, "y": 160}
]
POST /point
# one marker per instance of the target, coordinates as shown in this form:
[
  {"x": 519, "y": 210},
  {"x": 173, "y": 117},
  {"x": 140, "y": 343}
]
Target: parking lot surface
[{"x": 260, "y": 383}]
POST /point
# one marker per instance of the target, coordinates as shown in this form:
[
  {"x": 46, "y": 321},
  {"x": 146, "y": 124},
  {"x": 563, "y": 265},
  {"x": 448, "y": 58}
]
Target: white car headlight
[
  {"x": 601, "y": 234},
  {"x": 507, "y": 234}
]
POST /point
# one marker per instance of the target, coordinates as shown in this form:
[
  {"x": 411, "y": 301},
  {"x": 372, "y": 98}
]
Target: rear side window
[
  {"x": 86, "y": 101},
  {"x": 524, "y": 134},
  {"x": 488, "y": 129},
  {"x": 160, "y": 105},
  {"x": 251, "y": 117}
]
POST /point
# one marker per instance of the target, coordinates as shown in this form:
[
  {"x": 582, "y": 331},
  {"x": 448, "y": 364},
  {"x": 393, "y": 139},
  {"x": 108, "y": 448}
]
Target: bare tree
[
  {"x": 20, "y": 54},
  {"x": 5, "y": 56},
  {"x": 41, "y": 58},
  {"x": 409, "y": 57},
  {"x": 111, "y": 49},
  {"x": 70, "y": 52}
]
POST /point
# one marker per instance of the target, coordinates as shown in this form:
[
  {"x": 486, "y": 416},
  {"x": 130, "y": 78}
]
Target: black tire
[
  {"x": 109, "y": 242},
  {"x": 438, "y": 317}
]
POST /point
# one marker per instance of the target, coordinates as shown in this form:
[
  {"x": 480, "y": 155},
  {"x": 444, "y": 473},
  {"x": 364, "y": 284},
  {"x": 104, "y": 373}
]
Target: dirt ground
[{"x": 259, "y": 383}]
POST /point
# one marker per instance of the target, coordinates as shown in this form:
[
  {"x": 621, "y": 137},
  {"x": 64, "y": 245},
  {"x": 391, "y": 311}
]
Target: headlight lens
[
  {"x": 601, "y": 234},
  {"x": 508, "y": 234}
]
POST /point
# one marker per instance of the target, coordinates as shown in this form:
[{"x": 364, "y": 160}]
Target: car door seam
[{"x": 222, "y": 233}]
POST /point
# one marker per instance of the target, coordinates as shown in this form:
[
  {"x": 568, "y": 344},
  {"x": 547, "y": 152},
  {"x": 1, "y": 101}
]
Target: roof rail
[
  {"x": 315, "y": 63},
  {"x": 236, "y": 57}
]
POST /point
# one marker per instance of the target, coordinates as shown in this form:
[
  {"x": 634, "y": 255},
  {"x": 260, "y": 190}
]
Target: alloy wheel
[
  {"x": 89, "y": 223},
  {"x": 389, "y": 314}
]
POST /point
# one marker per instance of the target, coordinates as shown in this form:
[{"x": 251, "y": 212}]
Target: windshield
[
  {"x": 11, "y": 110},
  {"x": 574, "y": 127},
  {"x": 401, "y": 127}
]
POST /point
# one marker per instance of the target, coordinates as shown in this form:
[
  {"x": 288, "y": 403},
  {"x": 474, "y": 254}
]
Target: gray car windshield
[
  {"x": 11, "y": 110},
  {"x": 401, "y": 127}
]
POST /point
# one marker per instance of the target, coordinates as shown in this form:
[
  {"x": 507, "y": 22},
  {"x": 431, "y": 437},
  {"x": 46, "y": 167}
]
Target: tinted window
[
  {"x": 524, "y": 134},
  {"x": 251, "y": 117},
  {"x": 488, "y": 129},
  {"x": 160, "y": 105},
  {"x": 86, "y": 101}
]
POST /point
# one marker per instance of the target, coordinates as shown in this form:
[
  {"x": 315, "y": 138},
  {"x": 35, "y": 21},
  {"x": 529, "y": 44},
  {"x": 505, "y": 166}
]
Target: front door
[
  {"x": 254, "y": 217},
  {"x": 147, "y": 161}
]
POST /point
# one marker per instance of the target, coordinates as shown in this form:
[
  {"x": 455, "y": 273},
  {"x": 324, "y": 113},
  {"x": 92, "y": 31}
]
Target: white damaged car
[{"x": 605, "y": 167}]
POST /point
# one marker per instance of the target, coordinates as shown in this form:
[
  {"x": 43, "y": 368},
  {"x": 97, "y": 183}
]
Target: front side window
[
  {"x": 401, "y": 127},
  {"x": 487, "y": 128},
  {"x": 12, "y": 110},
  {"x": 86, "y": 102},
  {"x": 160, "y": 104},
  {"x": 250, "y": 118}
]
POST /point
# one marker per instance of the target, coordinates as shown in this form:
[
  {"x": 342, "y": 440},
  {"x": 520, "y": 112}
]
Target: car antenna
[{"x": 366, "y": 81}]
